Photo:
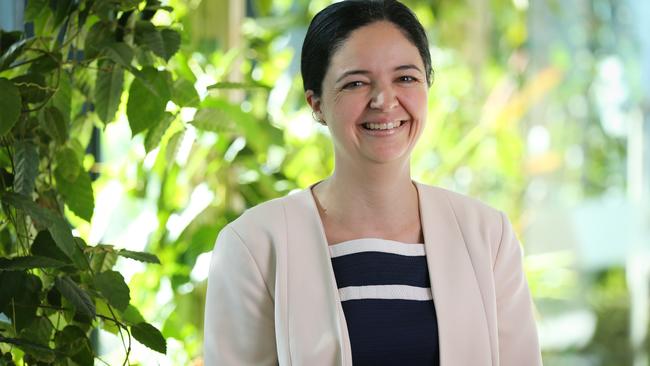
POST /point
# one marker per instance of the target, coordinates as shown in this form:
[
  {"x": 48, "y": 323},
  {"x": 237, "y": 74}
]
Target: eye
[
  {"x": 407, "y": 79},
  {"x": 353, "y": 84}
]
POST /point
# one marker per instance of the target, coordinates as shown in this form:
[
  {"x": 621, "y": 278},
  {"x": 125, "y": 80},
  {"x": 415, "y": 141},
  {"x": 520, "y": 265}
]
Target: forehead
[{"x": 377, "y": 46}]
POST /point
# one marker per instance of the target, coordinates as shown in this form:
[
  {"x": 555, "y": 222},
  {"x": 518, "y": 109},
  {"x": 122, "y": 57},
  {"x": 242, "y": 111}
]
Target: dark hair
[{"x": 333, "y": 25}]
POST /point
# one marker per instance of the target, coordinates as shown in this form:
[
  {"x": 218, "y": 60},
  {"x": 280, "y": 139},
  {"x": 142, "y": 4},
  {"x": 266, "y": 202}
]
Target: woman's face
[{"x": 374, "y": 96}]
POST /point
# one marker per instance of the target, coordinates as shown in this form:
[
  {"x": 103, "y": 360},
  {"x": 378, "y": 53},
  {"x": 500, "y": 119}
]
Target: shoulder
[
  {"x": 477, "y": 221},
  {"x": 261, "y": 221},
  {"x": 464, "y": 207}
]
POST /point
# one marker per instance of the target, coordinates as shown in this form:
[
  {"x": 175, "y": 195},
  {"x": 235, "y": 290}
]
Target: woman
[{"x": 368, "y": 267}]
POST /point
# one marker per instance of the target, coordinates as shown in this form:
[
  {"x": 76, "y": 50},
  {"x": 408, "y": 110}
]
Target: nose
[{"x": 383, "y": 98}]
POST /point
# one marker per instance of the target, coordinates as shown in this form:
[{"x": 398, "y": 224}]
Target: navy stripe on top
[{"x": 386, "y": 298}]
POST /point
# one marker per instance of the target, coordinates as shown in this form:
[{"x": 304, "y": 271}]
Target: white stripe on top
[
  {"x": 401, "y": 292},
  {"x": 375, "y": 245}
]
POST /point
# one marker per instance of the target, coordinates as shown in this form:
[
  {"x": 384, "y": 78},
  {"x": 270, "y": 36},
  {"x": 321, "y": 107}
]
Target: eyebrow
[{"x": 366, "y": 72}]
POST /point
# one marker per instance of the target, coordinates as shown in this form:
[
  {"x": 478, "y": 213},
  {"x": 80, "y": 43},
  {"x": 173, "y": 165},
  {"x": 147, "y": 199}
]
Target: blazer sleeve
[
  {"x": 518, "y": 341},
  {"x": 239, "y": 311}
]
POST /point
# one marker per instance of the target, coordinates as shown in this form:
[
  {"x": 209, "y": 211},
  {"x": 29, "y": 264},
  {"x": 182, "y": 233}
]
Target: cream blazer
[{"x": 272, "y": 297}]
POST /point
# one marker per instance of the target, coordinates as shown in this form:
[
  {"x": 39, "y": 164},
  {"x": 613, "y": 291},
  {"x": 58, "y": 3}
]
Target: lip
[{"x": 382, "y": 133}]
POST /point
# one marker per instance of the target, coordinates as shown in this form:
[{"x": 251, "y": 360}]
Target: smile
[{"x": 382, "y": 126}]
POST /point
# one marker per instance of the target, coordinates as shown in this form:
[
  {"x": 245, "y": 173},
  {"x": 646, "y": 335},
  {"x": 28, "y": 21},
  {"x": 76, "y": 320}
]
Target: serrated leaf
[
  {"x": 54, "y": 124},
  {"x": 44, "y": 246},
  {"x": 173, "y": 144},
  {"x": 26, "y": 164},
  {"x": 139, "y": 256},
  {"x": 112, "y": 286},
  {"x": 99, "y": 36},
  {"x": 212, "y": 119},
  {"x": 102, "y": 258},
  {"x": 32, "y": 87},
  {"x": 148, "y": 36},
  {"x": 68, "y": 165},
  {"x": 39, "y": 332},
  {"x": 110, "y": 81},
  {"x": 148, "y": 97},
  {"x": 10, "y": 102},
  {"x": 74, "y": 342},
  {"x": 37, "y": 213},
  {"x": 20, "y": 291},
  {"x": 78, "y": 195},
  {"x": 38, "y": 351},
  {"x": 76, "y": 296},
  {"x": 28, "y": 262},
  {"x": 62, "y": 236},
  {"x": 171, "y": 43},
  {"x": 132, "y": 315},
  {"x": 120, "y": 52},
  {"x": 184, "y": 94},
  {"x": 149, "y": 336},
  {"x": 156, "y": 132},
  {"x": 62, "y": 98}
]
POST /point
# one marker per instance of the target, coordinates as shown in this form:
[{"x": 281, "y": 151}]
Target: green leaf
[
  {"x": 12, "y": 53},
  {"x": 99, "y": 36},
  {"x": 46, "y": 63},
  {"x": 213, "y": 120},
  {"x": 148, "y": 97},
  {"x": 74, "y": 342},
  {"x": 54, "y": 124},
  {"x": 110, "y": 80},
  {"x": 112, "y": 286},
  {"x": 44, "y": 246},
  {"x": 68, "y": 165},
  {"x": 173, "y": 144},
  {"x": 102, "y": 257},
  {"x": 235, "y": 85},
  {"x": 120, "y": 52},
  {"x": 171, "y": 43},
  {"x": 10, "y": 102},
  {"x": 156, "y": 132},
  {"x": 265, "y": 134},
  {"x": 149, "y": 336},
  {"x": 32, "y": 87},
  {"x": 19, "y": 297},
  {"x": 132, "y": 315},
  {"x": 184, "y": 94},
  {"x": 38, "y": 351},
  {"x": 78, "y": 195},
  {"x": 62, "y": 98},
  {"x": 77, "y": 297},
  {"x": 28, "y": 262},
  {"x": 39, "y": 214},
  {"x": 62, "y": 235},
  {"x": 139, "y": 256},
  {"x": 61, "y": 10},
  {"x": 163, "y": 44},
  {"x": 26, "y": 164},
  {"x": 39, "y": 332}
]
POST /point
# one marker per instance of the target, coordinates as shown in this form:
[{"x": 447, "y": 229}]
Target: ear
[{"x": 315, "y": 103}]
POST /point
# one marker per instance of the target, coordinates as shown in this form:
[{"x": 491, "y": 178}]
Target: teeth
[{"x": 382, "y": 126}]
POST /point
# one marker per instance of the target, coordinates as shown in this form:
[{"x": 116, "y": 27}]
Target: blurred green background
[{"x": 539, "y": 108}]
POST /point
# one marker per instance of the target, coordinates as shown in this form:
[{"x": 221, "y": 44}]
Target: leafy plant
[{"x": 63, "y": 77}]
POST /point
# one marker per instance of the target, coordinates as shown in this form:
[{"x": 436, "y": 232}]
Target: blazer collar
[{"x": 318, "y": 332}]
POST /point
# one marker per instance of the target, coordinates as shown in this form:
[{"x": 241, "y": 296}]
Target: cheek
[
  {"x": 349, "y": 108},
  {"x": 415, "y": 102}
]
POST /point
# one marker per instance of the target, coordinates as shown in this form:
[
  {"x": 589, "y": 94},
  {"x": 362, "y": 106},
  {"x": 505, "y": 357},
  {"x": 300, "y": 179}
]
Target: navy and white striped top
[{"x": 386, "y": 297}]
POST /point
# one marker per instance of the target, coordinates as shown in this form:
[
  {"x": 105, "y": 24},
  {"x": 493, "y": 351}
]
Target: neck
[{"x": 381, "y": 193}]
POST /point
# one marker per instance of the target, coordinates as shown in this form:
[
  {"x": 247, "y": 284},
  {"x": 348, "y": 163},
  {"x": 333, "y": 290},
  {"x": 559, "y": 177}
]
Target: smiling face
[{"x": 374, "y": 96}]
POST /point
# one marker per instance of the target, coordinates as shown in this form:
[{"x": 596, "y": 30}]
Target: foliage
[{"x": 60, "y": 79}]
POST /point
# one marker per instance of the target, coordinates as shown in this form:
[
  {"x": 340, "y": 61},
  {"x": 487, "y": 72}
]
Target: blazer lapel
[
  {"x": 317, "y": 331},
  {"x": 462, "y": 323}
]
